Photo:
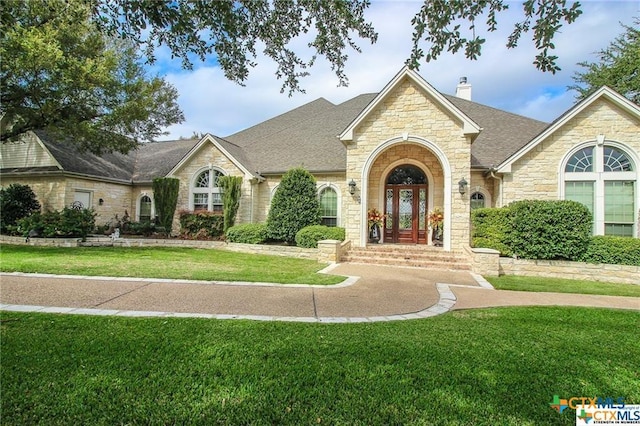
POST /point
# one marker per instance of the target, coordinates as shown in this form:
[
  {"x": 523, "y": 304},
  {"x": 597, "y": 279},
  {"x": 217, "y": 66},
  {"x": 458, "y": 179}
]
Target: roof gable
[
  {"x": 603, "y": 93},
  {"x": 225, "y": 147},
  {"x": 469, "y": 127}
]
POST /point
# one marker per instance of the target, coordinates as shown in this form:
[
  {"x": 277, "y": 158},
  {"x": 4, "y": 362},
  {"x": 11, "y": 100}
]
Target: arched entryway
[{"x": 406, "y": 205}]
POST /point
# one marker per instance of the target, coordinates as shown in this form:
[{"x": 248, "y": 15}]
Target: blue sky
[{"x": 501, "y": 78}]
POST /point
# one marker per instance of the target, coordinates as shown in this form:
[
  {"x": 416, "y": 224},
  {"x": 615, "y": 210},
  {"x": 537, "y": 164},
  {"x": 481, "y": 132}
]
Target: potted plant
[
  {"x": 436, "y": 223},
  {"x": 375, "y": 220}
]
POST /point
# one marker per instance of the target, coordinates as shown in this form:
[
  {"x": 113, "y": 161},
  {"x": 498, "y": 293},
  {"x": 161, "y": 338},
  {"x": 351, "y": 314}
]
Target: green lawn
[
  {"x": 558, "y": 285},
  {"x": 479, "y": 367},
  {"x": 161, "y": 262}
]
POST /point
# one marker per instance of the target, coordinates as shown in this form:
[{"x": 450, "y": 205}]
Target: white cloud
[{"x": 501, "y": 78}]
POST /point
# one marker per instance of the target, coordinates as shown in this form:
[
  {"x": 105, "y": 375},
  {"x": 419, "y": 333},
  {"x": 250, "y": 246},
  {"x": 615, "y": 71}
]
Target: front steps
[{"x": 419, "y": 256}]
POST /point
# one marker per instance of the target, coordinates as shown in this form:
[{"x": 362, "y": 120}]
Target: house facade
[{"x": 405, "y": 151}]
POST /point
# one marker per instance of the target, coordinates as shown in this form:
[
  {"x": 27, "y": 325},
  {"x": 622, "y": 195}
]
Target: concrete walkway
[{"x": 371, "y": 293}]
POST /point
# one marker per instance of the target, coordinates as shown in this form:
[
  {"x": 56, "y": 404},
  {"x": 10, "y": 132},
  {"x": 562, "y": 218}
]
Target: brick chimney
[{"x": 463, "y": 90}]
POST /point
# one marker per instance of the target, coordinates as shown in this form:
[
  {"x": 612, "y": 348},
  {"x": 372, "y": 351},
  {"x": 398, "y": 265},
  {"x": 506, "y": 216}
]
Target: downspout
[{"x": 492, "y": 173}]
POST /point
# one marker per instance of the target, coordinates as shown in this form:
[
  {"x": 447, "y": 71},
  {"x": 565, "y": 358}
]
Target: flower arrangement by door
[
  {"x": 436, "y": 223},
  {"x": 375, "y": 219}
]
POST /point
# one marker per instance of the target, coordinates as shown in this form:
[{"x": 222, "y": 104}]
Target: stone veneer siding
[
  {"x": 408, "y": 110},
  {"x": 209, "y": 155}
]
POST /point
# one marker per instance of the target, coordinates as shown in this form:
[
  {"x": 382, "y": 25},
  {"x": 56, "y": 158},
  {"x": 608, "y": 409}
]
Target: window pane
[
  {"x": 619, "y": 201},
  {"x": 200, "y": 202},
  {"x": 389, "y": 209},
  {"x": 329, "y": 221},
  {"x": 423, "y": 210},
  {"x": 618, "y": 229},
  {"x": 145, "y": 209},
  {"x": 216, "y": 176},
  {"x": 581, "y": 161},
  {"x": 581, "y": 192},
  {"x": 329, "y": 207},
  {"x": 203, "y": 180},
  {"x": 616, "y": 160},
  {"x": 477, "y": 200}
]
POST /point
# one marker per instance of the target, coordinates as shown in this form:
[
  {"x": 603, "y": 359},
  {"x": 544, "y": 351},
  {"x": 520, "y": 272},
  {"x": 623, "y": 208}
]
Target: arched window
[
  {"x": 329, "y": 206},
  {"x": 144, "y": 209},
  {"x": 604, "y": 179},
  {"x": 206, "y": 194},
  {"x": 477, "y": 200}
]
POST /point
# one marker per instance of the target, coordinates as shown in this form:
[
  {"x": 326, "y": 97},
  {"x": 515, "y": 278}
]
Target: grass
[
  {"x": 161, "y": 262},
  {"x": 481, "y": 367},
  {"x": 558, "y": 285}
]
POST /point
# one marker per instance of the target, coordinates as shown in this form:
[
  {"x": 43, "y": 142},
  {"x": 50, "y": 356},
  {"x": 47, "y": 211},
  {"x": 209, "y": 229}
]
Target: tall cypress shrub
[
  {"x": 16, "y": 202},
  {"x": 231, "y": 186},
  {"x": 165, "y": 197},
  {"x": 294, "y": 206}
]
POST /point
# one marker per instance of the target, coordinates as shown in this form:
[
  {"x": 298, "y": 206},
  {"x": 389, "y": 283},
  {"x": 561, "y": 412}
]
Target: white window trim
[
  {"x": 599, "y": 177},
  {"x": 193, "y": 190},
  {"x": 84, "y": 191},
  {"x": 153, "y": 205},
  {"x": 335, "y": 188}
]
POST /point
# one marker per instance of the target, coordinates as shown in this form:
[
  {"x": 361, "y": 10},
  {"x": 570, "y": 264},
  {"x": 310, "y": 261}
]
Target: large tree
[
  {"x": 232, "y": 30},
  {"x": 60, "y": 72},
  {"x": 618, "y": 67}
]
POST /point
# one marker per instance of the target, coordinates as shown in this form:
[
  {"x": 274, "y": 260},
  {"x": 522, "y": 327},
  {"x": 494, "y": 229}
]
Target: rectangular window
[
  {"x": 200, "y": 202},
  {"x": 581, "y": 192},
  {"x": 82, "y": 199},
  {"x": 619, "y": 207}
]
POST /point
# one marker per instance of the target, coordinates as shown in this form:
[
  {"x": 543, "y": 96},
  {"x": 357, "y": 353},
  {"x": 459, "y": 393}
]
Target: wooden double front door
[{"x": 406, "y": 214}]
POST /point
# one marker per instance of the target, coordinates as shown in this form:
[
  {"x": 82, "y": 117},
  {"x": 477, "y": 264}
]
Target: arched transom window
[
  {"x": 206, "y": 194},
  {"x": 604, "y": 178}
]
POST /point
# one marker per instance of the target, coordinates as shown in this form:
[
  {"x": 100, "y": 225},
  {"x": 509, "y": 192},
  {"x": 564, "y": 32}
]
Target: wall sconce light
[
  {"x": 462, "y": 186},
  {"x": 100, "y": 201},
  {"x": 352, "y": 187}
]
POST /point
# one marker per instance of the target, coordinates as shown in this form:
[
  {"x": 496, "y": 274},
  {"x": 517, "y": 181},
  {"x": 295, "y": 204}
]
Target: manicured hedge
[
  {"x": 201, "y": 225},
  {"x": 610, "y": 249},
  {"x": 310, "y": 235},
  {"x": 542, "y": 229},
  {"x": 489, "y": 229},
  {"x": 248, "y": 233},
  {"x": 65, "y": 223}
]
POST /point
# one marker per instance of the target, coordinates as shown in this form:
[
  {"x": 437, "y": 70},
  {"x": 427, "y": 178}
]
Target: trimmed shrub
[
  {"x": 248, "y": 233},
  {"x": 611, "y": 249},
  {"x": 139, "y": 228},
  {"x": 200, "y": 225},
  {"x": 294, "y": 206},
  {"x": 310, "y": 235},
  {"x": 165, "y": 196},
  {"x": 490, "y": 227},
  {"x": 231, "y": 186},
  {"x": 16, "y": 202},
  {"x": 549, "y": 229},
  {"x": 67, "y": 223}
]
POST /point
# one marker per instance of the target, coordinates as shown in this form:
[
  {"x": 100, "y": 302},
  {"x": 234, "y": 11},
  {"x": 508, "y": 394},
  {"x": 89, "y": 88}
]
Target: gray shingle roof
[
  {"x": 503, "y": 133},
  {"x": 156, "y": 159},
  {"x": 113, "y": 166},
  {"x": 305, "y": 136}
]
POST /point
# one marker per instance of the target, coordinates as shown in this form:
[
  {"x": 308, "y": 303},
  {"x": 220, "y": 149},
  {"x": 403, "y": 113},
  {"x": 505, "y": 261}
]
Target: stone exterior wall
[
  {"x": 535, "y": 175},
  {"x": 264, "y": 190},
  {"x": 408, "y": 110},
  {"x": 57, "y": 191},
  {"x": 573, "y": 270},
  {"x": 210, "y": 156},
  {"x": 484, "y": 184}
]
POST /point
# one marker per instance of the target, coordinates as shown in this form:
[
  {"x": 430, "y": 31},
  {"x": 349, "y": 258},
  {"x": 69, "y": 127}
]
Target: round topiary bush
[
  {"x": 309, "y": 236},
  {"x": 248, "y": 233}
]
